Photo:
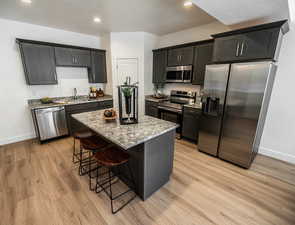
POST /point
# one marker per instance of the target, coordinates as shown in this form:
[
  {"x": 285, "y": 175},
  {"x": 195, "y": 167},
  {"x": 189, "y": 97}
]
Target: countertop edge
[
  {"x": 44, "y": 106},
  {"x": 129, "y": 146}
]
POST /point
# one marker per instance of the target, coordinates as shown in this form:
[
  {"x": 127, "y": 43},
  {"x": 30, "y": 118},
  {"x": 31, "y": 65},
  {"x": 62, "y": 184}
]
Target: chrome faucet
[{"x": 75, "y": 93}]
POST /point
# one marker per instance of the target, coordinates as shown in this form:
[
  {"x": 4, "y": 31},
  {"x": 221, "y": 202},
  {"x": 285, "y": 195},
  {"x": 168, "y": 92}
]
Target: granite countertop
[
  {"x": 125, "y": 136},
  {"x": 37, "y": 104},
  {"x": 153, "y": 99}
]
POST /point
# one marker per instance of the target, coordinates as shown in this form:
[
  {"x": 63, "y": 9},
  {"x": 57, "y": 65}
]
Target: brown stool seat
[
  {"x": 82, "y": 134},
  {"x": 111, "y": 157},
  {"x": 93, "y": 143}
]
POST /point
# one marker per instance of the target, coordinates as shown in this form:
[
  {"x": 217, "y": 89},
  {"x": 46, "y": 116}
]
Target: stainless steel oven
[{"x": 179, "y": 74}]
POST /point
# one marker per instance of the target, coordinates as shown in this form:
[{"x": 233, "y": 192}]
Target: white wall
[
  {"x": 134, "y": 45},
  {"x": 150, "y": 43},
  {"x": 16, "y": 123},
  {"x": 193, "y": 34},
  {"x": 278, "y": 138}
]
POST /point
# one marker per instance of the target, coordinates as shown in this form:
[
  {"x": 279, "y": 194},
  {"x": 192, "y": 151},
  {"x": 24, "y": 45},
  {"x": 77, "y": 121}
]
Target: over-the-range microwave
[{"x": 179, "y": 74}]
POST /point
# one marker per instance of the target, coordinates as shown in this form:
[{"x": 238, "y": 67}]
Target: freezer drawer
[{"x": 51, "y": 122}]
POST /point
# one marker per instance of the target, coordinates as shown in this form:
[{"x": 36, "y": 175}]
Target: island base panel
[{"x": 152, "y": 163}]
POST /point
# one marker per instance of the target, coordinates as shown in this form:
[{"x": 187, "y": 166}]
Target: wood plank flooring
[{"x": 39, "y": 185}]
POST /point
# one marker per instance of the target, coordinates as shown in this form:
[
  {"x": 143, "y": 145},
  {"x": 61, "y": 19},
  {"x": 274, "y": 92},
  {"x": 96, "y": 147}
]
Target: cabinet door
[
  {"x": 227, "y": 48},
  {"x": 39, "y": 64},
  {"x": 190, "y": 124},
  {"x": 72, "y": 57},
  {"x": 159, "y": 66},
  {"x": 151, "y": 109},
  {"x": 64, "y": 57},
  {"x": 98, "y": 71},
  {"x": 203, "y": 56},
  {"x": 186, "y": 56},
  {"x": 174, "y": 57},
  {"x": 81, "y": 57},
  {"x": 259, "y": 44}
]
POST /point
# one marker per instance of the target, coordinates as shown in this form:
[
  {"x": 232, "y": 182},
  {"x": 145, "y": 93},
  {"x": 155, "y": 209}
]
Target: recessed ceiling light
[
  {"x": 187, "y": 3},
  {"x": 27, "y": 1},
  {"x": 97, "y": 20}
]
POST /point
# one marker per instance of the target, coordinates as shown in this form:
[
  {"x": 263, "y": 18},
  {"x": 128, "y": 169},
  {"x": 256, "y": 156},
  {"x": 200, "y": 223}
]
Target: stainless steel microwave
[{"x": 179, "y": 74}]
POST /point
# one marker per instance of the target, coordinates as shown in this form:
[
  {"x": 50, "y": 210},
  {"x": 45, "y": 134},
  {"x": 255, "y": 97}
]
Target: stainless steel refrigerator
[{"x": 234, "y": 106}]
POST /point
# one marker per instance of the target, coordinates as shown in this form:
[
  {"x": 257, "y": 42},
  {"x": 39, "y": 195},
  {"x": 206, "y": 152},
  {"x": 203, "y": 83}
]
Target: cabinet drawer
[{"x": 189, "y": 110}]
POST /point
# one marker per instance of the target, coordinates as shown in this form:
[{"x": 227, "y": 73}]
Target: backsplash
[
  {"x": 68, "y": 79},
  {"x": 183, "y": 87}
]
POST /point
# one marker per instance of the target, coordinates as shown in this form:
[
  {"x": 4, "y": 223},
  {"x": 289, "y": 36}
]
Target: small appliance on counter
[{"x": 94, "y": 93}]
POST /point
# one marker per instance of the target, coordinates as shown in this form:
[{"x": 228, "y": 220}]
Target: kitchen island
[{"x": 150, "y": 144}]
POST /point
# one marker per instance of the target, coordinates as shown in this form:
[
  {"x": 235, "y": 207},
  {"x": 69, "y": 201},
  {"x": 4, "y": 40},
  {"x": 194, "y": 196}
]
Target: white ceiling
[
  {"x": 232, "y": 12},
  {"x": 154, "y": 16}
]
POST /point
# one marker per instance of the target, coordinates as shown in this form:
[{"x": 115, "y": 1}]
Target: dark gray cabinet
[
  {"x": 151, "y": 108},
  {"x": 97, "y": 73},
  {"x": 72, "y": 57},
  {"x": 159, "y": 66},
  {"x": 39, "y": 64},
  {"x": 180, "y": 56},
  {"x": 74, "y": 125},
  {"x": 202, "y": 57},
  {"x": 190, "y": 123},
  {"x": 261, "y": 44}
]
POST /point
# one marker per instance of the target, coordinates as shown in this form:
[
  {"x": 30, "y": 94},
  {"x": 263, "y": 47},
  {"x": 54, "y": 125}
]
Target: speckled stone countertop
[
  {"x": 125, "y": 136},
  {"x": 36, "y": 103},
  {"x": 153, "y": 99}
]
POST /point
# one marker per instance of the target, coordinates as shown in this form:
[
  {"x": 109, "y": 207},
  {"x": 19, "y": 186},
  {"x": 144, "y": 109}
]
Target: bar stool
[
  {"x": 79, "y": 136},
  {"x": 91, "y": 145},
  {"x": 113, "y": 159}
]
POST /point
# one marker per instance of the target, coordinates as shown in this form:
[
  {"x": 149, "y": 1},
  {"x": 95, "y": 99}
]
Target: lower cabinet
[
  {"x": 151, "y": 108},
  {"x": 190, "y": 123},
  {"x": 74, "y": 125}
]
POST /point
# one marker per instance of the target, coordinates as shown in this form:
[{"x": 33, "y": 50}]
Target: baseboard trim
[
  {"x": 19, "y": 138},
  {"x": 277, "y": 155}
]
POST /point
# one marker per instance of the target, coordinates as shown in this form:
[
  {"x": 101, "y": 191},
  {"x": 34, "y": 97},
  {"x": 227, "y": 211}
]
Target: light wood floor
[{"x": 39, "y": 185}]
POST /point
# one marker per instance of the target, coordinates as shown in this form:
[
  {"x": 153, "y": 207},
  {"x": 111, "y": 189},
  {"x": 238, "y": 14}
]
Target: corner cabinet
[
  {"x": 97, "y": 73},
  {"x": 190, "y": 123},
  {"x": 202, "y": 57},
  {"x": 249, "y": 45},
  {"x": 159, "y": 66},
  {"x": 39, "y": 64}
]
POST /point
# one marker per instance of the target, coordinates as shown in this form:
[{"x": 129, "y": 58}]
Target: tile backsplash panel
[
  {"x": 181, "y": 87},
  {"x": 68, "y": 79}
]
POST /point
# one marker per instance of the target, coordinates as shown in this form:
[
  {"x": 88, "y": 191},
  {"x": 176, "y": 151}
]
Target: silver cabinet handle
[
  {"x": 238, "y": 48},
  {"x": 242, "y": 48}
]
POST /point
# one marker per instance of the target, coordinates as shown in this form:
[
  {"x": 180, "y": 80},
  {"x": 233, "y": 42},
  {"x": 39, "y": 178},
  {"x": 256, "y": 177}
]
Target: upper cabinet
[
  {"x": 253, "y": 43},
  {"x": 181, "y": 56},
  {"x": 98, "y": 71},
  {"x": 41, "y": 58},
  {"x": 39, "y": 64},
  {"x": 72, "y": 57},
  {"x": 202, "y": 57},
  {"x": 159, "y": 66}
]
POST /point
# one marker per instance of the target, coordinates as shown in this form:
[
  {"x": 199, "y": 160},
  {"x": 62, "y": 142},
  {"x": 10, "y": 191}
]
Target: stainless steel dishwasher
[{"x": 50, "y": 122}]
